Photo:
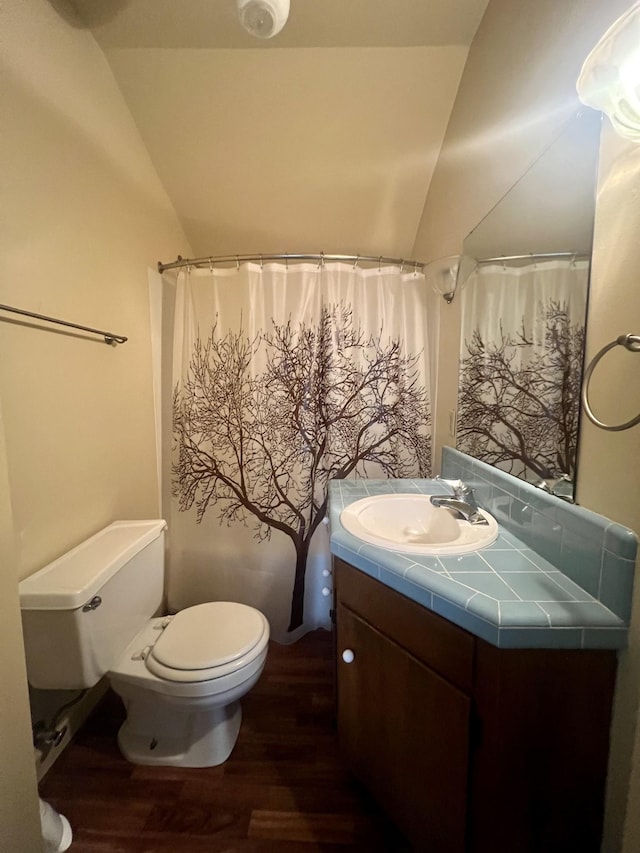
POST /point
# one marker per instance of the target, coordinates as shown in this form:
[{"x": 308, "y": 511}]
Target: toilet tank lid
[{"x": 74, "y": 578}]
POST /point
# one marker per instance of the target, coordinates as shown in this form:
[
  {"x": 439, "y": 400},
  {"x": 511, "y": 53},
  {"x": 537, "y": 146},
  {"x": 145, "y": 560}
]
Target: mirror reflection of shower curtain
[
  {"x": 521, "y": 358},
  {"x": 285, "y": 378}
]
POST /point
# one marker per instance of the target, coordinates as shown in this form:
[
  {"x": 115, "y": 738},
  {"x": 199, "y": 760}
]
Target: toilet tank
[{"x": 80, "y": 612}]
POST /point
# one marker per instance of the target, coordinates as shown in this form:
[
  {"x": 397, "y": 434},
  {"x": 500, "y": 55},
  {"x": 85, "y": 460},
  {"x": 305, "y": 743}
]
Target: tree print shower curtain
[
  {"x": 521, "y": 368},
  {"x": 284, "y": 378}
]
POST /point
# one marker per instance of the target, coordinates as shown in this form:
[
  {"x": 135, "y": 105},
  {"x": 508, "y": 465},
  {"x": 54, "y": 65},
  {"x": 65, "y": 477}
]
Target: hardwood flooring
[{"x": 284, "y": 788}]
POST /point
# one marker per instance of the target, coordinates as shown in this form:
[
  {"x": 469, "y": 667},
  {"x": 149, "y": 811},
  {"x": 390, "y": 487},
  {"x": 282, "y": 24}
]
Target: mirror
[{"x": 524, "y": 315}]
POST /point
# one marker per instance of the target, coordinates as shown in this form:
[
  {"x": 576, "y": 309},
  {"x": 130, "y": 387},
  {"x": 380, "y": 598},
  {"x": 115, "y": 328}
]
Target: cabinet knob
[{"x": 348, "y": 656}]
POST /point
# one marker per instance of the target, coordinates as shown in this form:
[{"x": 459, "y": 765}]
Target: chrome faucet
[
  {"x": 551, "y": 484},
  {"x": 462, "y": 502}
]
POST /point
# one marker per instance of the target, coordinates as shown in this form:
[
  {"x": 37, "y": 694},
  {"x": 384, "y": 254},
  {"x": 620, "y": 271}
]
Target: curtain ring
[
  {"x": 401, "y": 265},
  {"x": 237, "y": 263},
  {"x": 261, "y": 263},
  {"x": 211, "y": 265},
  {"x": 286, "y": 260},
  {"x": 321, "y": 261},
  {"x": 379, "y": 262},
  {"x": 355, "y": 263}
]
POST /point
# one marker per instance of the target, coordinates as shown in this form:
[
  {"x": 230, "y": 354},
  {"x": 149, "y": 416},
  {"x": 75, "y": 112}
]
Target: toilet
[{"x": 92, "y": 613}]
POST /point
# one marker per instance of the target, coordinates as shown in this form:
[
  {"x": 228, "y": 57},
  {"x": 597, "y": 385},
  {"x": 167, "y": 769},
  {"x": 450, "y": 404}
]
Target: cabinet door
[{"x": 405, "y": 733}]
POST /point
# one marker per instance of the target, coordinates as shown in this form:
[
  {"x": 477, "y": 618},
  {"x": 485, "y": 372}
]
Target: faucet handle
[
  {"x": 462, "y": 491},
  {"x": 466, "y": 494},
  {"x": 457, "y": 486}
]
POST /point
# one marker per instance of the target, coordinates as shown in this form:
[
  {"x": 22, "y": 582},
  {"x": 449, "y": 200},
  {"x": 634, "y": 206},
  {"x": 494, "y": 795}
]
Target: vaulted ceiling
[{"x": 322, "y": 138}]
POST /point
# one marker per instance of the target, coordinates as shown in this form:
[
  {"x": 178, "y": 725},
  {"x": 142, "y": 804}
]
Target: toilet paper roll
[{"x": 56, "y": 830}]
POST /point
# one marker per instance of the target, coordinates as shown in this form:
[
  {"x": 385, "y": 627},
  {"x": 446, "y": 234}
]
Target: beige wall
[
  {"x": 608, "y": 478},
  {"x": 88, "y": 216},
  {"x": 85, "y": 216},
  {"x": 19, "y": 818},
  {"x": 293, "y": 149},
  {"x": 517, "y": 89}
]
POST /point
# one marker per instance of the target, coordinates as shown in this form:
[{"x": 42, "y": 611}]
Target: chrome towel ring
[{"x": 632, "y": 343}]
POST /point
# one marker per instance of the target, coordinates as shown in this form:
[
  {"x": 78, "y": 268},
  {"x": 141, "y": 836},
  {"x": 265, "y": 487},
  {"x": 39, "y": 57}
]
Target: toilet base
[{"x": 195, "y": 739}]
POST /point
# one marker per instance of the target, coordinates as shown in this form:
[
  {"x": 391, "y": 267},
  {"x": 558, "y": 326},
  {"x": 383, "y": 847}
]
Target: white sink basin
[{"x": 411, "y": 524}]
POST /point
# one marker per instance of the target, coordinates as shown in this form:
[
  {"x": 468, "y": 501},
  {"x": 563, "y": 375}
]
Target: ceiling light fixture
[
  {"x": 263, "y": 18},
  {"x": 610, "y": 77}
]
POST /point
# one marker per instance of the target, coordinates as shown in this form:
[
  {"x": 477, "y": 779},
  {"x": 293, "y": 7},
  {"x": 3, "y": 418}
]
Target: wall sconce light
[
  {"x": 263, "y": 18},
  {"x": 448, "y": 275},
  {"x": 610, "y": 77}
]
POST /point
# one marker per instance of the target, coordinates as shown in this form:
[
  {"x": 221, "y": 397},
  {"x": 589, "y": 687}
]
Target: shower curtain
[
  {"x": 521, "y": 359},
  {"x": 286, "y": 377}
]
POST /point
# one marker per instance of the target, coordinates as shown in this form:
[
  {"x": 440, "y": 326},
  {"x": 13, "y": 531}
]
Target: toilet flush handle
[
  {"x": 95, "y": 602},
  {"x": 142, "y": 654}
]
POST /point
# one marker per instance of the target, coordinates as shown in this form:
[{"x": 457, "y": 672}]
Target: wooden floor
[{"x": 283, "y": 789}]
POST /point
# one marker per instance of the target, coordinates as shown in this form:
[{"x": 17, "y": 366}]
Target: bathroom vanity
[
  {"x": 469, "y": 747},
  {"x": 474, "y": 691}
]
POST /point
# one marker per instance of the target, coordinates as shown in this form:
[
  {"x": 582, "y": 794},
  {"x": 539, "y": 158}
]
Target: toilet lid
[{"x": 209, "y": 635}]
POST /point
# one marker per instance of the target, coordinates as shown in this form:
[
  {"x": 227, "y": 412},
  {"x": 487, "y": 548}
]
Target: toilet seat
[{"x": 208, "y": 641}]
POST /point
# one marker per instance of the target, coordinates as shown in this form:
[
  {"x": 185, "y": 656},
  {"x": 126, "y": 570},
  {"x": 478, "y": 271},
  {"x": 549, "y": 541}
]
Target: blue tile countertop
[{"x": 506, "y": 593}]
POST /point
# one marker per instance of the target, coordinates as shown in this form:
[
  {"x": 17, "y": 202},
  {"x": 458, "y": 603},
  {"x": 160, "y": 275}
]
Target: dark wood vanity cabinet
[
  {"x": 469, "y": 747},
  {"x": 406, "y": 733}
]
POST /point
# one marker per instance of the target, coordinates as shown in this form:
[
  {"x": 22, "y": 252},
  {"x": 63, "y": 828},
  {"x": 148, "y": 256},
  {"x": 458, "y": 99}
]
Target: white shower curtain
[
  {"x": 286, "y": 377},
  {"x": 521, "y": 366}
]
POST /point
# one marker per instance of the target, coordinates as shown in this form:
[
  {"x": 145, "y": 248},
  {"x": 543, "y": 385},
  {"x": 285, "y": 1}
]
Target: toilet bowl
[
  {"x": 91, "y": 613},
  {"x": 181, "y": 679}
]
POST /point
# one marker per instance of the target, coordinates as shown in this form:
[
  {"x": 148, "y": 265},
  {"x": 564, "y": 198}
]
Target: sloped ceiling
[{"x": 323, "y": 138}]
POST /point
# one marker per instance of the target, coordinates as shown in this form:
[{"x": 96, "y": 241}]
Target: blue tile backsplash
[{"x": 594, "y": 552}]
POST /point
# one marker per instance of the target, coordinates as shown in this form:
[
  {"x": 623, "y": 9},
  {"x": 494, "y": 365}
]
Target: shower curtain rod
[
  {"x": 321, "y": 258},
  {"x": 287, "y": 256},
  {"x": 533, "y": 256}
]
